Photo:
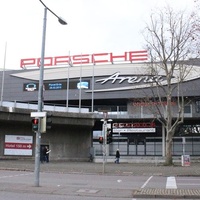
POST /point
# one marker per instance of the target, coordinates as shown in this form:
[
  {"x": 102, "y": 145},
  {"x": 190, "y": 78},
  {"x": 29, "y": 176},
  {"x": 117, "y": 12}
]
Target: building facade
[{"x": 120, "y": 91}]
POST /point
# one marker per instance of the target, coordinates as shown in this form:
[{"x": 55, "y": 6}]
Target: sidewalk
[
  {"x": 110, "y": 168},
  {"x": 117, "y": 169}
]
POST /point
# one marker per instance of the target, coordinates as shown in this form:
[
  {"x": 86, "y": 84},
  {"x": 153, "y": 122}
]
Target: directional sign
[{"x": 18, "y": 145}]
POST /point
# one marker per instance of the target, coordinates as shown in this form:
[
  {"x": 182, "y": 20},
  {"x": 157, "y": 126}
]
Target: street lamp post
[
  {"x": 40, "y": 92},
  {"x": 104, "y": 143},
  {"x": 105, "y": 121}
]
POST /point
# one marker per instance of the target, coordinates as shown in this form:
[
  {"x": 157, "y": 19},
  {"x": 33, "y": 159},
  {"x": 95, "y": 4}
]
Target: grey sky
[{"x": 94, "y": 26}]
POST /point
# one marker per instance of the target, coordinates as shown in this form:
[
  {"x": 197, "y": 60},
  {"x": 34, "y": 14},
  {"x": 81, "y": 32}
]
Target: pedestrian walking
[
  {"x": 117, "y": 156},
  {"x": 46, "y": 154}
]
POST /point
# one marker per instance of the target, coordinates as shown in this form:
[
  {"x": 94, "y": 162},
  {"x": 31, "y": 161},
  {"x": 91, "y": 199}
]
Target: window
[
  {"x": 197, "y": 106},
  {"x": 187, "y": 109}
]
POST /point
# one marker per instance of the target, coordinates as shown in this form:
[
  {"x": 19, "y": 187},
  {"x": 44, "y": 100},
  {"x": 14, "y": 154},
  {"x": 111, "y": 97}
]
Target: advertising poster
[{"x": 18, "y": 145}]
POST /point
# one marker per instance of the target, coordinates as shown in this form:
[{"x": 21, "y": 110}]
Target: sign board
[
  {"x": 38, "y": 114},
  {"x": 134, "y": 130},
  {"x": 101, "y": 58},
  {"x": 185, "y": 160},
  {"x": 136, "y": 127},
  {"x": 18, "y": 145}
]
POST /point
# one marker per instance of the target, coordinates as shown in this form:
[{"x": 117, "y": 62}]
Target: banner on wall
[
  {"x": 18, "y": 145},
  {"x": 134, "y": 127},
  {"x": 134, "y": 130}
]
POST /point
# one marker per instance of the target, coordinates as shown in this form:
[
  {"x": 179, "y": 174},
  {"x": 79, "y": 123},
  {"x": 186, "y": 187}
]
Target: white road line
[
  {"x": 15, "y": 175},
  {"x": 171, "y": 183},
  {"x": 189, "y": 179},
  {"x": 144, "y": 185},
  {"x": 189, "y": 184}
]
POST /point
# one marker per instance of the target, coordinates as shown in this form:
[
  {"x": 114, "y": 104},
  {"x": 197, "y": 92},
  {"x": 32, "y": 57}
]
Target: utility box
[{"x": 185, "y": 160}]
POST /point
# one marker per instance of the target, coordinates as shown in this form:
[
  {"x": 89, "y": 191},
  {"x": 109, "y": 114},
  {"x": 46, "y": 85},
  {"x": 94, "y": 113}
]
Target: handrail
[{"x": 46, "y": 107}]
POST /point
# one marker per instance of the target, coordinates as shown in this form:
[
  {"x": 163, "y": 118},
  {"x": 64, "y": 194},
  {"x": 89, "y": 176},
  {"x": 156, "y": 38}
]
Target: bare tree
[{"x": 172, "y": 38}]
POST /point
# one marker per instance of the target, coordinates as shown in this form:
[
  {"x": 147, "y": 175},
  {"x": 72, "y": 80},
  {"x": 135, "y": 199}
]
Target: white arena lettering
[{"x": 131, "y": 79}]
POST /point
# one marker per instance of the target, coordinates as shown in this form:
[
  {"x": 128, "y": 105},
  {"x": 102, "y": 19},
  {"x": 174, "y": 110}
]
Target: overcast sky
[{"x": 94, "y": 26}]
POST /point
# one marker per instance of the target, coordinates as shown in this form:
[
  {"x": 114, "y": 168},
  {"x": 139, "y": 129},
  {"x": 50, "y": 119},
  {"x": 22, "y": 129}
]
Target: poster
[{"x": 18, "y": 145}]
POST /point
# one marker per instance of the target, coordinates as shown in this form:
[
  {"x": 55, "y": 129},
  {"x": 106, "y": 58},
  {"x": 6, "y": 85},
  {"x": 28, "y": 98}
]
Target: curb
[{"x": 167, "y": 193}]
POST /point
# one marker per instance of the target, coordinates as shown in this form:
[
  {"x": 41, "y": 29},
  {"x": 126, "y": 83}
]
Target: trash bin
[{"x": 185, "y": 160}]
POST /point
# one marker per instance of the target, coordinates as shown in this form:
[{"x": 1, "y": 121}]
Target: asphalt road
[
  {"x": 19, "y": 185},
  {"x": 72, "y": 180}
]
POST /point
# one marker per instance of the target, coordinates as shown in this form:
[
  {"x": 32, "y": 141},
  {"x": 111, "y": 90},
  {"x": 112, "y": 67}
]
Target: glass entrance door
[{"x": 136, "y": 146}]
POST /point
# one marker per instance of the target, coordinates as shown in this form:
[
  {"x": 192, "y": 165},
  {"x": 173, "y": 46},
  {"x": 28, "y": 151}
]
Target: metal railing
[
  {"x": 53, "y": 108},
  {"x": 112, "y": 111}
]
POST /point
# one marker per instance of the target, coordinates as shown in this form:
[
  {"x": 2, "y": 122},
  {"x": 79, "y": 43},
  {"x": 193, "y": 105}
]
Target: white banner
[
  {"x": 134, "y": 130},
  {"x": 18, "y": 145}
]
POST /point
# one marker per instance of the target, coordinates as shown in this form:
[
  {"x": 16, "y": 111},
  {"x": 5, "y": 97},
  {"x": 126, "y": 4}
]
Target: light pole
[
  {"x": 104, "y": 143},
  {"x": 105, "y": 121},
  {"x": 40, "y": 92}
]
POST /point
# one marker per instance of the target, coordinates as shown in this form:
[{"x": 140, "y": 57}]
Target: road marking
[
  {"x": 87, "y": 191},
  {"x": 189, "y": 184},
  {"x": 171, "y": 183},
  {"x": 144, "y": 185},
  {"x": 189, "y": 179},
  {"x": 15, "y": 175}
]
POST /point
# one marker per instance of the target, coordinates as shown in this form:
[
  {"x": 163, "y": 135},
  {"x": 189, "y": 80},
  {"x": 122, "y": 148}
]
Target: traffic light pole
[{"x": 104, "y": 143}]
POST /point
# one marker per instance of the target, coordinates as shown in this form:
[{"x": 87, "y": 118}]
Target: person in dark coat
[
  {"x": 46, "y": 154},
  {"x": 117, "y": 156}
]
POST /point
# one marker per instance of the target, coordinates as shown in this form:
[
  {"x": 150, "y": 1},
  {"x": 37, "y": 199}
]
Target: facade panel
[{"x": 122, "y": 90}]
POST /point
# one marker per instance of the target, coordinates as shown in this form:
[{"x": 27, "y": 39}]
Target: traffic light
[
  {"x": 43, "y": 124},
  {"x": 109, "y": 136},
  {"x": 101, "y": 140},
  {"x": 35, "y": 123},
  {"x": 48, "y": 121}
]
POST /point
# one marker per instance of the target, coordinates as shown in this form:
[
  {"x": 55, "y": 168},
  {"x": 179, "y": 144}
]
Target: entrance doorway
[
  {"x": 136, "y": 146},
  {"x": 42, "y": 156}
]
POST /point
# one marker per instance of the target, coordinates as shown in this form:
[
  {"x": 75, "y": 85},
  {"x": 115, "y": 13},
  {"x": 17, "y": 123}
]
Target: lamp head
[{"x": 62, "y": 21}]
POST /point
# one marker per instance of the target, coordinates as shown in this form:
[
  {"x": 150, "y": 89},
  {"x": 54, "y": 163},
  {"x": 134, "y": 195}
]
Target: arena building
[{"x": 113, "y": 88}]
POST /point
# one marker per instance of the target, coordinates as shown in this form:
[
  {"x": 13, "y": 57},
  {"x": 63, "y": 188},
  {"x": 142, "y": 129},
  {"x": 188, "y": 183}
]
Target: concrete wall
[
  {"x": 65, "y": 142},
  {"x": 13, "y": 128},
  {"x": 68, "y": 142},
  {"x": 70, "y": 137}
]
